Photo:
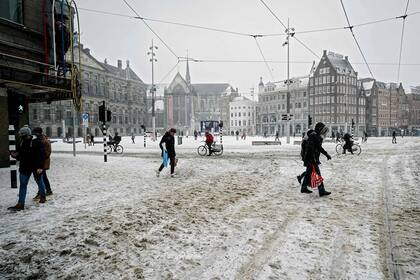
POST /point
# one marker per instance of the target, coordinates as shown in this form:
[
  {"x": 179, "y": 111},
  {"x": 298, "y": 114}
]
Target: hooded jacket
[
  {"x": 313, "y": 147},
  {"x": 169, "y": 141}
]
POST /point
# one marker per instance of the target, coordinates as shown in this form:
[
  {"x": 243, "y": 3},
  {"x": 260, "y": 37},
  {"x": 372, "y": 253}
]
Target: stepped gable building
[
  {"x": 123, "y": 91},
  {"x": 334, "y": 95},
  {"x": 387, "y": 107},
  {"x": 188, "y": 104}
]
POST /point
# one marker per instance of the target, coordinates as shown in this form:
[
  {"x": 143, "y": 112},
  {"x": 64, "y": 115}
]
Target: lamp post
[
  {"x": 152, "y": 54},
  {"x": 290, "y": 33}
]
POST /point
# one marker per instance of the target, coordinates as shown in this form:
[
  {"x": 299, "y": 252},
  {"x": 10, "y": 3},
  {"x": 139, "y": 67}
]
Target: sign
[
  {"x": 85, "y": 119},
  {"x": 286, "y": 117},
  {"x": 211, "y": 126}
]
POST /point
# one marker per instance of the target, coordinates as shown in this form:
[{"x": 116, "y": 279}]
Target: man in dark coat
[
  {"x": 313, "y": 149},
  {"x": 167, "y": 143},
  {"x": 47, "y": 149},
  {"x": 31, "y": 157},
  {"x": 394, "y": 137},
  {"x": 348, "y": 143}
]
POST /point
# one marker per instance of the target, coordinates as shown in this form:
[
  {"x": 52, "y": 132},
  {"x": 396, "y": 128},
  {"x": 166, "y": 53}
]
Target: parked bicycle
[
  {"x": 357, "y": 150},
  {"x": 217, "y": 149}
]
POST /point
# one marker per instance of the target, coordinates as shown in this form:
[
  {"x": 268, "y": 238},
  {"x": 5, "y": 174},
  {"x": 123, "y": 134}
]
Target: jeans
[
  {"x": 46, "y": 182},
  {"x": 24, "y": 179}
]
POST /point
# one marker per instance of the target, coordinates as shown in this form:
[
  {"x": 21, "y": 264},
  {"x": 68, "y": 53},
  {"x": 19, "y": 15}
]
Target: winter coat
[
  {"x": 313, "y": 149},
  {"x": 209, "y": 139},
  {"x": 31, "y": 155},
  {"x": 169, "y": 141},
  {"x": 47, "y": 148}
]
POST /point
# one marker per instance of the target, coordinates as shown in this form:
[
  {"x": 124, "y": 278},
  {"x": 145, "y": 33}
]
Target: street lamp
[{"x": 152, "y": 59}]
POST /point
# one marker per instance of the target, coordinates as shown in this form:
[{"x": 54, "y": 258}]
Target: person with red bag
[{"x": 313, "y": 149}]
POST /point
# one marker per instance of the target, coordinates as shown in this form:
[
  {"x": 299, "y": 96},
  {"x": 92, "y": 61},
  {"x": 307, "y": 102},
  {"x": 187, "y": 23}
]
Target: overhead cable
[
  {"x": 354, "y": 37},
  {"x": 262, "y": 54},
  {"x": 151, "y": 29},
  {"x": 402, "y": 39}
]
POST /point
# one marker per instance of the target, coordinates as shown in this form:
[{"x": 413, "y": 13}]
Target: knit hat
[
  {"x": 37, "y": 130},
  {"x": 25, "y": 130},
  {"x": 172, "y": 130}
]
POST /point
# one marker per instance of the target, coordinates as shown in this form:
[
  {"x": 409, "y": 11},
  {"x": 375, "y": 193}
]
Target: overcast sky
[{"x": 114, "y": 37}]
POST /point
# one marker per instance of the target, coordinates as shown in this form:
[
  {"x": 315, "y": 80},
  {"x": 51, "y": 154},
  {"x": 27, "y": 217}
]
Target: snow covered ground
[{"x": 238, "y": 216}]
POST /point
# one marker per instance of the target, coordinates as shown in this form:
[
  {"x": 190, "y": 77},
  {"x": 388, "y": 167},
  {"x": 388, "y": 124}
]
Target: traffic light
[
  {"x": 352, "y": 122},
  {"x": 221, "y": 124},
  {"x": 309, "y": 120},
  {"x": 108, "y": 115},
  {"x": 102, "y": 113}
]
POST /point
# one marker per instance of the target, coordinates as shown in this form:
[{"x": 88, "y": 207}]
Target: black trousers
[
  {"x": 172, "y": 163},
  {"x": 209, "y": 147},
  {"x": 46, "y": 182},
  {"x": 307, "y": 179}
]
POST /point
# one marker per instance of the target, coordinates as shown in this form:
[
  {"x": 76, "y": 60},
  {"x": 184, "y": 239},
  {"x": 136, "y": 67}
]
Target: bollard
[
  {"x": 105, "y": 152},
  {"x": 12, "y": 161},
  {"x": 144, "y": 137}
]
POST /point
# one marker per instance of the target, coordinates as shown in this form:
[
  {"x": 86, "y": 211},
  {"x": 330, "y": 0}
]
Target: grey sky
[{"x": 115, "y": 38}]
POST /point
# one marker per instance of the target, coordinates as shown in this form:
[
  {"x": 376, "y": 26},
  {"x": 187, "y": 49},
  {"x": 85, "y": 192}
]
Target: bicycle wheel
[
  {"x": 339, "y": 149},
  {"x": 357, "y": 150},
  {"x": 219, "y": 152},
  {"x": 109, "y": 149},
  {"x": 120, "y": 149},
  {"x": 202, "y": 150}
]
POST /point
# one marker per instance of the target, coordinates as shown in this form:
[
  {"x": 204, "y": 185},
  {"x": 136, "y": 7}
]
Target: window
[
  {"x": 231, "y": 123},
  {"x": 239, "y": 115},
  {"x": 11, "y": 10},
  {"x": 47, "y": 114},
  {"x": 244, "y": 123},
  {"x": 231, "y": 114}
]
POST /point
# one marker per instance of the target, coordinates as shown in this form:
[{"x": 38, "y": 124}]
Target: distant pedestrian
[
  {"x": 132, "y": 138},
  {"x": 394, "y": 137},
  {"x": 195, "y": 134},
  {"x": 92, "y": 139},
  {"x": 277, "y": 137},
  {"x": 237, "y": 135},
  {"x": 332, "y": 136},
  {"x": 313, "y": 149},
  {"x": 167, "y": 145},
  {"x": 265, "y": 134},
  {"x": 243, "y": 135},
  {"x": 47, "y": 162},
  {"x": 88, "y": 139},
  {"x": 365, "y": 136},
  {"x": 31, "y": 155}
]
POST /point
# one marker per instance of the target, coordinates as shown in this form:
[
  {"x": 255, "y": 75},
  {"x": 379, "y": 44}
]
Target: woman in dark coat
[{"x": 167, "y": 143}]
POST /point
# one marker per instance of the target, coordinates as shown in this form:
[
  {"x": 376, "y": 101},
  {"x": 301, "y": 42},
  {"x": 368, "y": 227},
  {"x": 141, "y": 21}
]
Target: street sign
[{"x": 85, "y": 119}]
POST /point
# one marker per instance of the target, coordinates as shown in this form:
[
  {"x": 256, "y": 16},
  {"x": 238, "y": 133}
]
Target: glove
[{"x": 328, "y": 157}]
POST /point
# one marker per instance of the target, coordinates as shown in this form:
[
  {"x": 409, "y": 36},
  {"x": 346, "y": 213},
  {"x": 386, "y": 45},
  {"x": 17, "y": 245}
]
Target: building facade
[
  {"x": 413, "y": 100},
  {"x": 242, "y": 115},
  {"x": 334, "y": 95},
  {"x": 27, "y": 72},
  {"x": 272, "y": 104},
  {"x": 122, "y": 90},
  {"x": 187, "y": 104}
]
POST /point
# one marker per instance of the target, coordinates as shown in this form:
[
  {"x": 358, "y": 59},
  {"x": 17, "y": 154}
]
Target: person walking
[
  {"x": 394, "y": 137},
  {"x": 209, "y": 142},
  {"x": 87, "y": 139},
  {"x": 167, "y": 144},
  {"x": 313, "y": 149},
  {"x": 243, "y": 135},
  {"x": 132, "y": 138},
  {"x": 31, "y": 155},
  {"x": 332, "y": 136},
  {"x": 47, "y": 161},
  {"x": 348, "y": 139},
  {"x": 277, "y": 137},
  {"x": 195, "y": 134},
  {"x": 237, "y": 135},
  {"x": 92, "y": 139}
]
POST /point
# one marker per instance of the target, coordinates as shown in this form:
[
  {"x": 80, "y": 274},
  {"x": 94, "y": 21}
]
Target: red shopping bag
[{"x": 316, "y": 179}]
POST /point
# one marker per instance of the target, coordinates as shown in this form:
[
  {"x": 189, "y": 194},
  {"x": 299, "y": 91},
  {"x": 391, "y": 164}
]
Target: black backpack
[{"x": 304, "y": 144}]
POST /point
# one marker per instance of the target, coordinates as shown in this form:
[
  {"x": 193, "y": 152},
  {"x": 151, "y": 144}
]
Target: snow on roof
[{"x": 368, "y": 85}]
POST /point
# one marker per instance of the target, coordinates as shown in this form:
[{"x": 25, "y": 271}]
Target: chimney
[
  {"x": 346, "y": 58},
  {"x": 127, "y": 63},
  {"x": 325, "y": 52},
  {"x": 87, "y": 50},
  {"x": 127, "y": 70},
  {"x": 119, "y": 64}
]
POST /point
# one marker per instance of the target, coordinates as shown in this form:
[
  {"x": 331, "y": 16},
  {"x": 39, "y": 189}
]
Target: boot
[
  {"x": 18, "y": 207},
  {"x": 37, "y": 196},
  {"x": 299, "y": 179},
  {"x": 42, "y": 199},
  {"x": 49, "y": 193},
  {"x": 305, "y": 190},
  {"x": 324, "y": 193}
]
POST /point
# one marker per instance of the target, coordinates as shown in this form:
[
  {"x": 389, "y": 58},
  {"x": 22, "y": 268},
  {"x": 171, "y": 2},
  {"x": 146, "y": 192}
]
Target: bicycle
[
  {"x": 357, "y": 150},
  {"x": 216, "y": 149},
  {"x": 115, "y": 147}
]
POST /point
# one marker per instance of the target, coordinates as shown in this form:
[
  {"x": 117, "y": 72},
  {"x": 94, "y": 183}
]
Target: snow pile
[{"x": 238, "y": 216}]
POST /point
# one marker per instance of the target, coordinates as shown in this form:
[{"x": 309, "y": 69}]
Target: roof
[
  {"x": 121, "y": 72},
  {"x": 340, "y": 64},
  {"x": 241, "y": 98},
  {"x": 368, "y": 85},
  {"x": 210, "y": 89}
]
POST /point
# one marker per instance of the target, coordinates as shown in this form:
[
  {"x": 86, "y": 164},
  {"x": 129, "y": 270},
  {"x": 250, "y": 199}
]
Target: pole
[
  {"x": 64, "y": 129},
  {"x": 288, "y": 82},
  {"x": 104, "y": 132},
  {"x": 74, "y": 131},
  {"x": 53, "y": 37},
  {"x": 152, "y": 53},
  {"x": 144, "y": 137},
  {"x": 221, "y": 137},
  {"x": 12, "y": 161}
]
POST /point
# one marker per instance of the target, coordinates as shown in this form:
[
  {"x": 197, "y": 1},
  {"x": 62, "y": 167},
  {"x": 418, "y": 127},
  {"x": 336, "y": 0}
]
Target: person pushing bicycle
[{"x": 209, "y": 142}]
